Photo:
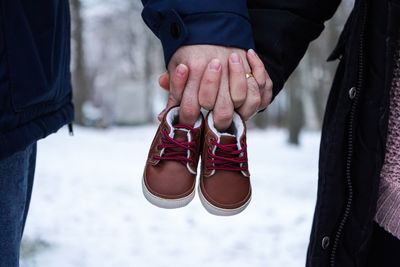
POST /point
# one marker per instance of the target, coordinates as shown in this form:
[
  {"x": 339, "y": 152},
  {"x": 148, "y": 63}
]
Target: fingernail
[
  {"x": 214, "y": 65},
  {"x": 181, "y": 69},
  {"x": 252, "y": 52},
  {"x": 235, "y": 58}
]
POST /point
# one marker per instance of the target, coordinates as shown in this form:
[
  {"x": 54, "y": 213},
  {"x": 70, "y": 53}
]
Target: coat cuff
[{"x": 220, "y": 28}]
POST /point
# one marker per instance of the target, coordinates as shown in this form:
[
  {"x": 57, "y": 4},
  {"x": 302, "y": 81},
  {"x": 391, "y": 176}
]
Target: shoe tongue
[
  {"x": 227, "y": 139},
  {"x": 180, "y": 134}
]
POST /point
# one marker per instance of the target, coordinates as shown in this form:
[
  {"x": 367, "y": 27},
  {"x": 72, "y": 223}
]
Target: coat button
[
  {"x": 325, "y": 242},
  {"x": 175, "y": 30},
  {"x": 352, "y": 93}
]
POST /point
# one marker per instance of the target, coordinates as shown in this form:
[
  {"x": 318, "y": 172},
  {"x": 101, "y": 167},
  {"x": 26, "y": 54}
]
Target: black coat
[{"x": 355, "y": 124}]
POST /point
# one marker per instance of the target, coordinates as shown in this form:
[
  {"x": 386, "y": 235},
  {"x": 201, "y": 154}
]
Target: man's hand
[
  {"x": 208, "y": 82},
  {"x": 219, "y": 85}
]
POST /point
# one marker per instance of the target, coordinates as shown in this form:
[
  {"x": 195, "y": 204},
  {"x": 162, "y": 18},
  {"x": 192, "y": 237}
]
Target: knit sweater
[{"x": 388, "y": 206}]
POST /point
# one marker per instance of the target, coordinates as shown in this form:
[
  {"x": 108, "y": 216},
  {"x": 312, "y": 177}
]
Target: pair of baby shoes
[{"x": 169, "y": 178}]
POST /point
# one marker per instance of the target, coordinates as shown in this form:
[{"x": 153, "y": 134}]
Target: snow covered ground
[{"x": 88, "y": 209}]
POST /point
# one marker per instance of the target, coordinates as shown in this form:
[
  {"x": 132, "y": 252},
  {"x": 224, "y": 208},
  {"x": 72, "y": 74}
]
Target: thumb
[
  {"x": 178, "y": 82},
  {"x": 163, "y": 81}
]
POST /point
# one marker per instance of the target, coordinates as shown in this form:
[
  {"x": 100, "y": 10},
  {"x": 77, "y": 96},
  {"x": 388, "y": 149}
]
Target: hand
[
  {"x": 249, "y": 95},
  {"x": 206, "y": 67}
]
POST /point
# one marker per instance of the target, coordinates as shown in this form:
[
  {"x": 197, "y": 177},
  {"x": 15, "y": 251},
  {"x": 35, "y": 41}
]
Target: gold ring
[{"x": 249, "y": 75}]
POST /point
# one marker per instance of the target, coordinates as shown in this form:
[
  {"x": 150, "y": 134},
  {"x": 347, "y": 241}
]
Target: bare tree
[
  {"x": 295, "y": 120},
  {"x": 79, "y": 75},
  {"x": 308, "y": 87}
]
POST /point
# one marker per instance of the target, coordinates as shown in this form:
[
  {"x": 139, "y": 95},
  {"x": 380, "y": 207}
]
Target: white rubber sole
[
  {"x": 220, "y": 211},
  {"x": 166, "y": 203}
]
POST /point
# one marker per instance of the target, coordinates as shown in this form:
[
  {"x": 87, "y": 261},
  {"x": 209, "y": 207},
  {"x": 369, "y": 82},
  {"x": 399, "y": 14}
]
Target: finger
[
  {"x": 163, "y": 81},
  {"x": 252, "y": 102},
  {"x": 209, "y": 85},
  {"x": 257, "y": 68},
  {"x": 178, "y": 81},
  {"x": 261, "y": 76},
  {"x": 266, "y": 95},
  {"x": 177, "y": 85},
  {"x": 237, "y": 80},
  {"x": 189, "y": 106},
  {"x": 223, "y": 109}
]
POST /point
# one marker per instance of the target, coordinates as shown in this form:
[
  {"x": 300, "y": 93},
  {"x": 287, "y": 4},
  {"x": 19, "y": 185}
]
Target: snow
[{"x": 88, "y": 206}]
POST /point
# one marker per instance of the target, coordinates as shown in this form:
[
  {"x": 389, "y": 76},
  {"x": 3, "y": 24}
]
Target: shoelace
[
  {"x": 229, "y": 157},
  {"x": 176, "y": 150}
]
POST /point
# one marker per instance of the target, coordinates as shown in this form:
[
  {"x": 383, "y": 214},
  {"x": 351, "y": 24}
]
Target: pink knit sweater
[{"x": 388, "y": 209}]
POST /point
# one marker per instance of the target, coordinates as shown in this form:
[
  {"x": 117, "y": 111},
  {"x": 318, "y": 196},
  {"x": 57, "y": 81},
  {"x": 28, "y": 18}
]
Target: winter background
[{"x": 87, "y": 208}]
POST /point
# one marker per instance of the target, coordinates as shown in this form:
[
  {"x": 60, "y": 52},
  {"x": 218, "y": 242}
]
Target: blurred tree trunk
[
  {"x": 295, "y": 120},
  {"x": 149, "y": 68},
  {"x": 320, "y": 51},
  {"x": 151, "y": 59},
  {"x": 79, "y": 75}
]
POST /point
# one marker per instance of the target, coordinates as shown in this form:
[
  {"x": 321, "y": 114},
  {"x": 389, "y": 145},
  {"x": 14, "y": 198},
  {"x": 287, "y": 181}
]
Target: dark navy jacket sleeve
[
  {"x": 188, "y": 22},
  {"x": 283, "y": 30}
]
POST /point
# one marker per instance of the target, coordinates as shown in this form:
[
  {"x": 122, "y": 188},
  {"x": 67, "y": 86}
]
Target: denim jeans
[{"x": 16, "y": 181}]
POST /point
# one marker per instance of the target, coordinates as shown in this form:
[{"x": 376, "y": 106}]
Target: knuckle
[
  {"x": 238, "y": 99},
  {"x": 223, "y": 115},
  {"x": 262, "y": 84},
  {"x": 206, "y": 103},
  {"x": 188, "y": 112}
]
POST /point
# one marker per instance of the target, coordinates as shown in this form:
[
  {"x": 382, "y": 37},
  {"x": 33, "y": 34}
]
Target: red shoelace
[
  {"x": 176, "y": 150},
  {"x": 227, "y": 157}
]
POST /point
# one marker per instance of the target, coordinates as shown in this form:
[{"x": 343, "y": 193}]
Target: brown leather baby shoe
[
  {"x": 225, "y": 180},
  {"x": 170, "y": 173}
]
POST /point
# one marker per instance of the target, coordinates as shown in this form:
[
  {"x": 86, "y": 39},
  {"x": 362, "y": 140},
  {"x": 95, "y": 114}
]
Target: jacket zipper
[{"x": 350, "y": 141}]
